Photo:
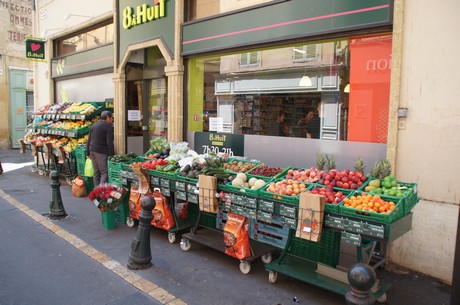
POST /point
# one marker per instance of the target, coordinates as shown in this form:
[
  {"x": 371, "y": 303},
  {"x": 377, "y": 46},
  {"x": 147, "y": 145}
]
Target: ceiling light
[{"x": 305, "y": 81}]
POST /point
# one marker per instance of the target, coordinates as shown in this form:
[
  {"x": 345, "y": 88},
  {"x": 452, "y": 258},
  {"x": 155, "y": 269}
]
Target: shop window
[
  {"x": 30, "y": 106},
  {"x": 88, "y": 39},
  {"x": 249, "y": 59},
  {"x": 198, "y": 9},
  {"x": 248, "y": 101}
]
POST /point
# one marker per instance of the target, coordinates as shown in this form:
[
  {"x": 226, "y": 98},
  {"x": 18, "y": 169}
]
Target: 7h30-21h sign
[{"x": 35, "y": 49}]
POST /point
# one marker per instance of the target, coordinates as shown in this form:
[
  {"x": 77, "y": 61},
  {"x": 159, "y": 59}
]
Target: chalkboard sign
[{"x": 231, "y": 144}]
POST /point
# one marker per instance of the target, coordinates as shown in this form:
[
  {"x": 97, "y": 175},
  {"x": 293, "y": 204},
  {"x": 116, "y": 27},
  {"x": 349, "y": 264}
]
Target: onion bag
[
  {"x": 236, "y": 237},
  {"x": 79, "y": 187}
]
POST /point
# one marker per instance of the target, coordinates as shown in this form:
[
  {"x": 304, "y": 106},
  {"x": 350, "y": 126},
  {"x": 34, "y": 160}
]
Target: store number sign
[{"x": 212, "y": 142}]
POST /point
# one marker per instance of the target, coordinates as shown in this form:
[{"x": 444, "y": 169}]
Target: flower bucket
[{"x": 108, "y": 220}]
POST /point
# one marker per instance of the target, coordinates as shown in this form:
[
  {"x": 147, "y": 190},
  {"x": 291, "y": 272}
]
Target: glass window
[
  {"x": 305, "y": 53},
  {"x": 158, "y": 106},
  {"x": 88, "y": 39},
  {"x": 204, "y": 8},
  {"x": 282, "y": 92},
  {"x": 249, "y": 59}
]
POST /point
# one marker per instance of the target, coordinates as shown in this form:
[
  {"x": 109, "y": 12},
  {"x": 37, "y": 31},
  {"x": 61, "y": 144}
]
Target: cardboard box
[
  {"x": 207, "y": 186},
  {"x": 310, "y": 216}
]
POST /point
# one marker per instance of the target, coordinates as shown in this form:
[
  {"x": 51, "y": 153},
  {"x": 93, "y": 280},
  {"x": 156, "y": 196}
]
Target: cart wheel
[
  {"x": 172, "y": 238},
  {"x": 185, "y": 244},
  {"x": 272, "y": 277},
  {"x": 245, "y": 267},
  {"x": 382, "y": 298},
  {"x": 130, "y": 222},
  {"x": 41, "y": 172},
  {"x": 33, "y": 169},
  {"x": 266, "y": 258}
]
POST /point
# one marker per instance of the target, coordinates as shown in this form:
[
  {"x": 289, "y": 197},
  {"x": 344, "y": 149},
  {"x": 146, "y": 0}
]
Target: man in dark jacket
[{"x": 100, "y": 147}]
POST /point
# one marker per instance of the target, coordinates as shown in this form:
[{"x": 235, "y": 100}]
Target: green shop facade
[{"x": 199, "y": 70}]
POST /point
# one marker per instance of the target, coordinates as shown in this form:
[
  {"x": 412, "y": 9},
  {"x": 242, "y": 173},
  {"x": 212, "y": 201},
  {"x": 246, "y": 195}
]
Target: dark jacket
[{"x": 100, "y": 138}]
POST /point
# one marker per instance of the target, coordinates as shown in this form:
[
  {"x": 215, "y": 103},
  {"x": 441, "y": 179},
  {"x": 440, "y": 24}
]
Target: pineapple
[
  {"x": 329, "y": 162},
  {"x": 386, "y": 169},
  {"x": 320, "y": 162},
  {"x": 359, "y": 165},
  {"x": 381, "y": 169},
  {"x": 375, "y": 171}
]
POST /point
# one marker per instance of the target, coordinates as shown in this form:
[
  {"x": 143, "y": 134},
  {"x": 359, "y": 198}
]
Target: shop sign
[
  {"x": 35, "y": 49},
  {"x": 143, "y": 14},
  {"x": 212, "y": 142}
]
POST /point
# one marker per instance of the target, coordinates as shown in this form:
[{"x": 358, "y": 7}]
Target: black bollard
[
  {"x": 57, "y": 210},
  {"x": 141, "y": 256},
  {"x": 362, "y": 278}
]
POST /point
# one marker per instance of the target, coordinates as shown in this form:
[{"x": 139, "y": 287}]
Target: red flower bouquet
[{"x": 107, "y": 197}]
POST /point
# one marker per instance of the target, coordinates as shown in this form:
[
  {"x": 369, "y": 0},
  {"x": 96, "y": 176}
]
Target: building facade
[
  {"x": 16, "y": 78},
  {"x": 180, "y": 69}
]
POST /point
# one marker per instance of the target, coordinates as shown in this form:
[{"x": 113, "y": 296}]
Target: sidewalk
[{"x": 198, "y": 276}]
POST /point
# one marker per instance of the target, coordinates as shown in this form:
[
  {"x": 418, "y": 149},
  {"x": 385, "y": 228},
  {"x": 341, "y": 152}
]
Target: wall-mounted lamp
[
  {"x": 68, "y": 16},
  {"x": 347, "y": 88},
  {"x": 402, "y": 112},
  {"x": 44, "y": 32}
]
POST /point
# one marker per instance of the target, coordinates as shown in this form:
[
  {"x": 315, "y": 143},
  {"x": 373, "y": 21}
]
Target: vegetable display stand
[
  {"x": 344, "y": 241},
  {"x": 204, "y": 232}
]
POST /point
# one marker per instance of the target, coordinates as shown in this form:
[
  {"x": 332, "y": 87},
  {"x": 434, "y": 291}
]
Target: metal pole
[
  {"x": 455, "y": 295},
  {"x": 141, "y": 256},
  {"x": 57, "y": 210},
  {"x": 362, "y": 278}
]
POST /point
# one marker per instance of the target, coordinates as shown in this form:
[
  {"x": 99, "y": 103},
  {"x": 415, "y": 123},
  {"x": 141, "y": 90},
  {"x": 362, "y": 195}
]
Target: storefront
[
  {"x": 149, "y": 74},
  {"x": 243, "y": 70}
]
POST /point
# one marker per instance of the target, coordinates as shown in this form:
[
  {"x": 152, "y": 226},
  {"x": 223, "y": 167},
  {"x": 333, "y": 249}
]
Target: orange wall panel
[{"x": 369, "y": 89}]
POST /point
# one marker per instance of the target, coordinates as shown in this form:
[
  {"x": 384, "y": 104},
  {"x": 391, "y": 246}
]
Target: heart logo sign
[{"x": 35, "y": 46}]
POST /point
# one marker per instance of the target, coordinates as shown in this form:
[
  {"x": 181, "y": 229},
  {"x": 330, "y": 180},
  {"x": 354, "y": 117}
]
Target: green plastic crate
[
  {"x": 281, "y": 174},
  {"x": 326, "y": 251},
  {"x": 410, "y": 198},
  {"x": 333, "y": 208},
  {"x": 244, "y": 190},
  {"x": 244, "y": 161},
  {"x": 80, "y": 158},
  {"x": 123, "y": 211},
  {"x": 393, "y": 215},
  {"x": 207, "y": 220},
  {"x": 263, "y": 193}
]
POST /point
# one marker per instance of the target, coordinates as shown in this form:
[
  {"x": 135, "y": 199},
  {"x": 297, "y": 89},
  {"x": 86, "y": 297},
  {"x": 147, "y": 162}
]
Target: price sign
[{"x": 231, "y": 144}]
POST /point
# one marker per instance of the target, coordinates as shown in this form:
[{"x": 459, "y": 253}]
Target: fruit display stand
[
  {"x": 350, "y": 233},
  {"x": 212, "y": 216},
  {"x": 63, "y": 126}
]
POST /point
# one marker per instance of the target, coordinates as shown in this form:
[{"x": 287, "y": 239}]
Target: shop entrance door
[
  {"x": 137, "y": 128},
  {"x": 18, "y": 106}
]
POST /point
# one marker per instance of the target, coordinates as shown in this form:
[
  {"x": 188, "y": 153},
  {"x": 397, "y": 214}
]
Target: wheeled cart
[
  {"x": 339, "y": 232},
  {"x": 213, "y": 238},
  {"x": 176, "y": 200}
]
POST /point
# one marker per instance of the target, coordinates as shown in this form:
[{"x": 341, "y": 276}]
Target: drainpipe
[{"x": 455, "y": 295}]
